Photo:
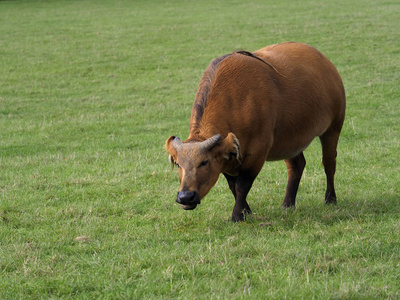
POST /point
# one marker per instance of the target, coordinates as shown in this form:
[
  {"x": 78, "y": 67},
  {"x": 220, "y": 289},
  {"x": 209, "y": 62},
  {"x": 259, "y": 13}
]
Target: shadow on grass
[{"x": 372, "y": 209}]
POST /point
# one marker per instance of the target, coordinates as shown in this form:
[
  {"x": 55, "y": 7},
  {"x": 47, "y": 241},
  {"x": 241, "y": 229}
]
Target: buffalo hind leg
[
  {"x": 295, "y": 167},
  {"x": 329, "y": 141},
  {"x": 240, "y": 187}
]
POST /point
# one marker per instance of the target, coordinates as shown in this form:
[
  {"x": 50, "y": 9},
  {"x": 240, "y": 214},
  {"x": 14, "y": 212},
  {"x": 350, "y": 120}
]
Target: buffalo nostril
[{"x": 185, "y": 197}]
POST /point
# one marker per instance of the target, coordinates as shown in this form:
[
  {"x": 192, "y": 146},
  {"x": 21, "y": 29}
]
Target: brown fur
[{"x": 271, "y": 104}]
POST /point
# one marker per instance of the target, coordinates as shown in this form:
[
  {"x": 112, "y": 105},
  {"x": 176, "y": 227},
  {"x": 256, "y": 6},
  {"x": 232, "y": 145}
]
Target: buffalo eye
[
  {"x": 172, "y": 160},
  {"x": 203, "y": 163}
]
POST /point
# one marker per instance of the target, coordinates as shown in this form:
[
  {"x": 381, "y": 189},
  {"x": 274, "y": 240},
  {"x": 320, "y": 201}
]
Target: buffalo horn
[
  {"x": 211, "y": 142},
  {"x": 177, "y": 143}
]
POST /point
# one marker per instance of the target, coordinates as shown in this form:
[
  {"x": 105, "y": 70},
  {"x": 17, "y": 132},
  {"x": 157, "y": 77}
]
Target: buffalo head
[{"x": 200, "y": 163}]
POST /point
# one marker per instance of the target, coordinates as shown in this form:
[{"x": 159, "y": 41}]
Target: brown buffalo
[{"x": 257, "y": 107}]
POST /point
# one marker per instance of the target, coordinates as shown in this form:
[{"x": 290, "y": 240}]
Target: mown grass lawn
[{"x": 90, "y": 91}]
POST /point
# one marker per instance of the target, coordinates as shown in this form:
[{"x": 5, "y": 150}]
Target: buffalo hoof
[
  {"x": 237, "y": 217},
  {"x": 240, "y": 216},
  {"x": 287, "y": 205},
  {"x": 330, "y": 198}
]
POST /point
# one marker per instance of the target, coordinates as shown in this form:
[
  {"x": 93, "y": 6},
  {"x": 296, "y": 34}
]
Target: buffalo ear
[
  {"x": 231, "y": 147},
  {"x": 168, "y": 144},
  {"x": 171, "y": 150}
]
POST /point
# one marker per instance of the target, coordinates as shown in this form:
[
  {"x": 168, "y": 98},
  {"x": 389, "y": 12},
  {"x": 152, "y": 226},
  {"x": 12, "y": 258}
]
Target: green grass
[{"x": 90, "y": 91}]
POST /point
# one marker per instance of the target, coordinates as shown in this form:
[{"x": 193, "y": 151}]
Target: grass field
[{"x": 90, "y": 91}]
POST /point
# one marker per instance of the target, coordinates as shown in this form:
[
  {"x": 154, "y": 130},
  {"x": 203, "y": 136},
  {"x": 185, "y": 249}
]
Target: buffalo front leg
[
  {"x": 231, "y": 182},
  {"x": 240, "y": 186},
  {"x": 295, "y": 167}
]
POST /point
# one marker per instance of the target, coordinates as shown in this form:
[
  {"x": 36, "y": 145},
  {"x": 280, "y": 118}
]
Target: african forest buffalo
[{"x": 255, "y": 107}]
